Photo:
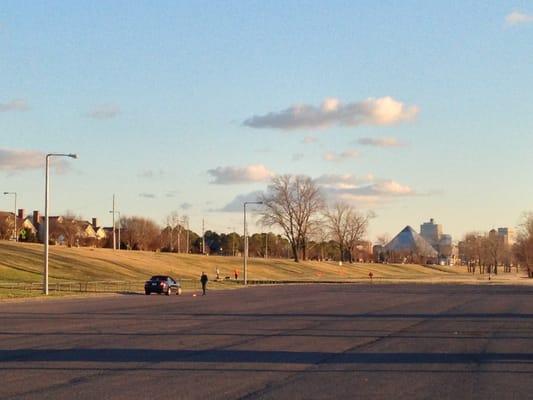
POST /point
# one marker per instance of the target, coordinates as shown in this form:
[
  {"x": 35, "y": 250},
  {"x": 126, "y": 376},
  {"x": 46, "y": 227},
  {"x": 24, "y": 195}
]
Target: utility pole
[
  {"x": 266, "y": 245},
  {"x": 179, "y": 237},
  {"x": 203, "y": 237},
  {"x": 119, "y": 226},
  {"x": 119, "y": 229},
  {"x": 114, "y": 235},
  {"x": 187, "y": 222},
  {"x": 245, "y": 262}
]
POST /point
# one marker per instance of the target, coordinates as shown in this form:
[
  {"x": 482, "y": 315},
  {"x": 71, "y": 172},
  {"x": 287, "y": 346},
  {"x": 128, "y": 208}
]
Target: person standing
[
  {"x": 203, "y": 280},
  {"x": 218, "y": 274},
  {"x": 236, "y": 274}
]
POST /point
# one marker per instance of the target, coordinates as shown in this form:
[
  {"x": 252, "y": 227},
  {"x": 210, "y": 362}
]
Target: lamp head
[{"x": 72, "y": 155}]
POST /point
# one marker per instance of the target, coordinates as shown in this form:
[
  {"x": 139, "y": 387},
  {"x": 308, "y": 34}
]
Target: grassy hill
[{"x": 23, "y": 263}]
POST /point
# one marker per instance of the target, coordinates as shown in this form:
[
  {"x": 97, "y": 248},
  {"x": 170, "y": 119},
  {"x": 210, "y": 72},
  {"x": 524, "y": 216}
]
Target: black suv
[{"x": 162, "y": 284}]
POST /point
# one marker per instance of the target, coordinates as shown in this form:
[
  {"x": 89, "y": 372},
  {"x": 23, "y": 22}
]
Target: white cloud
[
  {"x": 250, "y": 173},
  {"x": 236, "y": 205},
  {"x": 380, "y": 142},
  {"x": 14, "y": 105},
  {"x": 12, "y": 160},
  {"x": 104, "y": 111},
  {"x": 345, "y": 155},
  {"x": 380, "y": 111},
  {"x": 363, "y": 190},
  {"x": 517, "y": 18},
  {"x": 342, "y": 181}
]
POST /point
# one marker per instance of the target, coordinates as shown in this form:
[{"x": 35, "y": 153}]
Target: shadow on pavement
[{"x": 254, "y": 356}]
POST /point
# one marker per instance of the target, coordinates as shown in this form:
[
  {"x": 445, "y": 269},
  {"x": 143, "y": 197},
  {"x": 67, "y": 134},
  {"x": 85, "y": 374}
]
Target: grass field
[{"x": 20, "y": 262}]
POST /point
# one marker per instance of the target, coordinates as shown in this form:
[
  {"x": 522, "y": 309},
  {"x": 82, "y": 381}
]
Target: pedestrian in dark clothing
[{"x": 203, "y": 280}]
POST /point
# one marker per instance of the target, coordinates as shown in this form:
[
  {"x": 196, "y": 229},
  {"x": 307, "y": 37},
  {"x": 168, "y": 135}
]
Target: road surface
[{"x": 276, "y": 342}]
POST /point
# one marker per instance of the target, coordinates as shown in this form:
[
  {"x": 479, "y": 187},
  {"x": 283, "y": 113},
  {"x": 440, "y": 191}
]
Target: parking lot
[{"x": 291, "y": 341}]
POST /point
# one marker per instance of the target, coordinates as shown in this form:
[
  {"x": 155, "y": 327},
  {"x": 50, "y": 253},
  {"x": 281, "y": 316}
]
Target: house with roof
[{"x": 26, "y": 231}]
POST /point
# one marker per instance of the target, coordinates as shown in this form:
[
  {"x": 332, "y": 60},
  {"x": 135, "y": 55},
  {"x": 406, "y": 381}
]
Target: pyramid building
[{"x": 408, "y": 243}]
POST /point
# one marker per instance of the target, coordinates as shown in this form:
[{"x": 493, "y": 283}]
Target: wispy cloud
[
  {"x": 147, "y": 195},
  {"x": 14, "y": 160},
  {"x": 518, "y": 18},
  {"x": 236, "y": 205},
  {"x": 380, "y": 111},
  {"x": 380, "y": 142},
  {"x": 104, "y": 111},
  {"x": 248, "y": 174},
  {"x": 343, "y": 181},
  {"x": 14, "y": 105},
  {"x": 342, "y": 156}
]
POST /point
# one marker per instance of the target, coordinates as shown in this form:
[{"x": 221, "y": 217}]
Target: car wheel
[
  {"x": 147, "y": 293},
  {"x": 178, "y": 292},
  {"x": 169, "y": 291}
]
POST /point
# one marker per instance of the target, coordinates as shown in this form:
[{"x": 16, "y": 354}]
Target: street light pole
[
  {"x": 15, "y": 226},
  {"x": 46, "y": 224},
  {"x": 245, "y": 266}
]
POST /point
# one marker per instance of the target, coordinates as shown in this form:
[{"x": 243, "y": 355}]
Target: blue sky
[{"x": 413, "y": 109}]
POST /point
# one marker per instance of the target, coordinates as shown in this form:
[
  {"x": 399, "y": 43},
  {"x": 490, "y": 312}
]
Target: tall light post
[
  {"x": 46, "y": 225},
  {"x": 15, "y": 214},
  {"x": 246, "y": 241},
  {"x": 119, "y": 227}
]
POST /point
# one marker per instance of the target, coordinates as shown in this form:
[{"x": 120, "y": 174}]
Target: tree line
[{"x": 487, "y": 253}]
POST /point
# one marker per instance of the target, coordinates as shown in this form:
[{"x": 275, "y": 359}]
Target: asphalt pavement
[{"x": 275, "y": 342}]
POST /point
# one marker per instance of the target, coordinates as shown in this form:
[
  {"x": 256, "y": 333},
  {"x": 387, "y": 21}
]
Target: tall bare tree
[
  {"x": 494, "y": 250},
  {"x": 523, "y": 248},
  {"x": 338, "y": 220},
  {"x": 294, "y": 204},
  {"x": 357, "y": 230}
]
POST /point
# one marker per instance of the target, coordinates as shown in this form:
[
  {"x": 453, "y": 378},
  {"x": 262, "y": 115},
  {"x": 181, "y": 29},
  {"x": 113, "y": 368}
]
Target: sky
[{"x": 411, "y": 109}]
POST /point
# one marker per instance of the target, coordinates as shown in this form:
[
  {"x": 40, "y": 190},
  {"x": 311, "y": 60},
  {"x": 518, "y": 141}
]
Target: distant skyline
[{"x": 414, "y": 110}]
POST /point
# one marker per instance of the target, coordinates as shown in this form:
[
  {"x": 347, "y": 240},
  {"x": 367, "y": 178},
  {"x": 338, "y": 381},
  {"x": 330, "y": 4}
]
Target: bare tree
[
  {"x": 357, "y": 230},
  {"x": 494, "y": 248},
  {"x": 338, "y": 222},
  {"x": 173, "y": 227},
  {"x": 472, "y": 251},
  {"x": 294, "y": 204},
  {"x": 140, "y": 233},
  {"x": 6, "y": 226},
  {"x": 523, "y": 248}
]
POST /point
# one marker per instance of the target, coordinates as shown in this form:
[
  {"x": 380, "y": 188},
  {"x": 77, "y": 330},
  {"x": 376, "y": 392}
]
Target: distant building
[
  {"x": 410, "y": 247},
  {"x": 431, "y": 232},
  {"x": 507, "y": 235},
  {"x": 441, "y": 242}
]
